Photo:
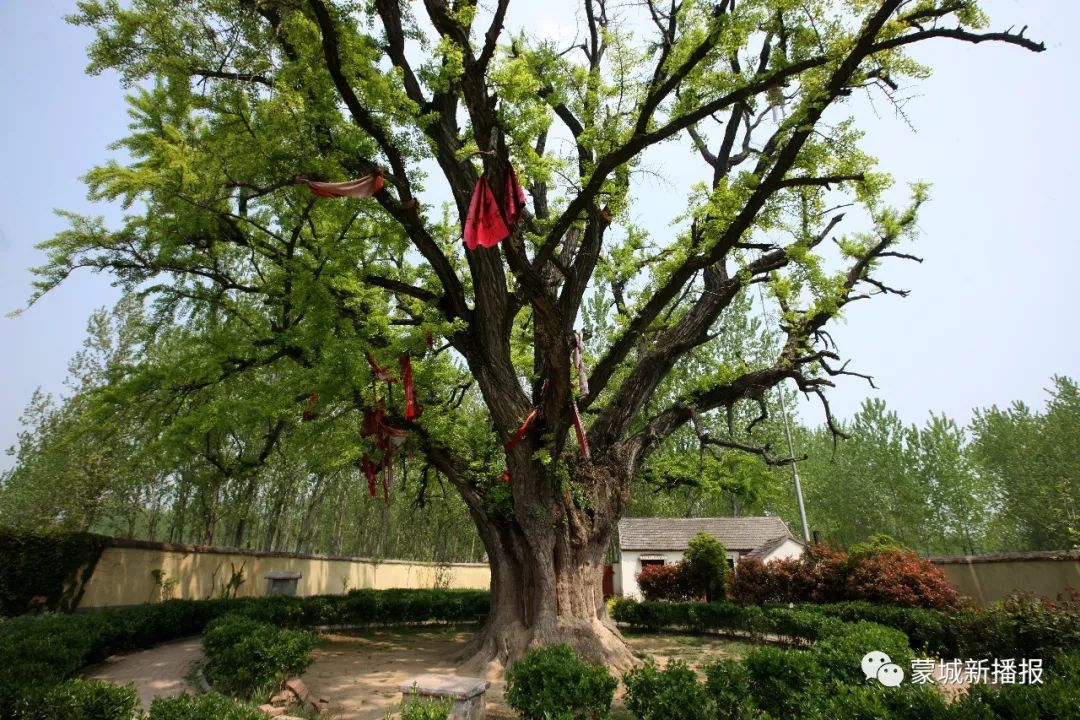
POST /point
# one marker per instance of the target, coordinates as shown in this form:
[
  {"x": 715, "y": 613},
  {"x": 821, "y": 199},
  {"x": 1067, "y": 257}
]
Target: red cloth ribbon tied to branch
[
  {"x": 371, "y": 472},
  {"x": 521, "y": 431},
  {"x": 380, "y": 372},
  {"x": 412, "y": 407},
  {"x": 373, "y": 418},
  {"x": 360, "y": 188},
  {"x": 484, "y": 224}
]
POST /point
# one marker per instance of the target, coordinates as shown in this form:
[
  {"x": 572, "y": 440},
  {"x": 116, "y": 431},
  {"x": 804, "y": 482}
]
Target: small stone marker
[{"x": 466, "y": 693}]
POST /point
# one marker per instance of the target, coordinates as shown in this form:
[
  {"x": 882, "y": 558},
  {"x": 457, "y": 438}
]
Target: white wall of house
[
  {"x": 625, "y": 580},
  {"x": 789, "y": 549}
]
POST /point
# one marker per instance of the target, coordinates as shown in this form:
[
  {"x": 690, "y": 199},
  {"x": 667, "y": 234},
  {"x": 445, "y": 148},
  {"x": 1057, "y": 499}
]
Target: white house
[{"x": 659, "y": 541}]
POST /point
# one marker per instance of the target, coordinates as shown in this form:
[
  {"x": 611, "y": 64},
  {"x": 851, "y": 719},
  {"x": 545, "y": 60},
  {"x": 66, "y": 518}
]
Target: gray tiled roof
[
  {"x": 769, "y": 545},
  {"x": 742, "y": 534}
]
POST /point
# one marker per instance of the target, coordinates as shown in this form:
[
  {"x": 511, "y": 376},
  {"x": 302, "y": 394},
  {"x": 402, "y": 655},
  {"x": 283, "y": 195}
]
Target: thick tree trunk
[{"x": 547, "y": 565}]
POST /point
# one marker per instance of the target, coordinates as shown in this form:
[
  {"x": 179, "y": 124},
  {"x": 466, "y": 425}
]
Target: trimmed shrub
[
  {"x": 826, "y": 575},
  {"x": 78, "y": 700},
  {"x": 704, "y": 567},
  {"x": 211, "y": 706},
  {"x": 673, "y": 693},
  {"x": 782, "y": 680},
  {"x": 728, "y": 684},
  {"x": 553, "y": 683},
  {"x": 876, "y": 702},
  {"x": 245, "y": 656},
  {"x": 1058, "y": 696},
  {"x": 664, "y": 582},
  {"x": 840, "y": 655},
  {"x": 899, "y": 578}
]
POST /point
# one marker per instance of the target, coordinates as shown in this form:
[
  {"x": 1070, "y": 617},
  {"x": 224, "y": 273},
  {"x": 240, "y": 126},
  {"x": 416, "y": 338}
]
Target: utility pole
[{"x": 787, "y": 436}]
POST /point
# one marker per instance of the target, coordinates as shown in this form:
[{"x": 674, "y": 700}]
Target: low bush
[
  {"x": 426, "y": 709},
  {"x": 781, "y": 681},
  {"x": 211, "y": 706},
  {"x": 77, "y": 700},
  {"x": 673, "y": 693},
  {"x": 840, "y": 655},
  {"x": 895, "y": 577},
  {"x": 245, "y": 657},
  {"x": 553, "y": 683},
  {"x": 1058, "y": 696},
  {"x": 664, "y": 582},
  {"x": 876, "y": 702},
  {"x": 728, "y": 684},
  {"x": 823, "y": 574}
]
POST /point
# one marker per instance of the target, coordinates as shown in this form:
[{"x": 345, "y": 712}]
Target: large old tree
[{"x": 254, "y": 276}]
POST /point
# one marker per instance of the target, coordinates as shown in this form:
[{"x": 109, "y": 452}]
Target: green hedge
[
  {"x": 41, "y": 651},
  {"x": 1015, "y": 629},
  {"x": 45, "y": 571},
  {"x": 793, "y": 625}
]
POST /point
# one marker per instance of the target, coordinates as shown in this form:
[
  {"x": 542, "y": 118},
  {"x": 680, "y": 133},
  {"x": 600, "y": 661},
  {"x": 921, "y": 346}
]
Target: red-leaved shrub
[
  {"x": 900, "y": 578},
  {"x": 664, "y": 582},
  {"x": 824, "y": 574}
]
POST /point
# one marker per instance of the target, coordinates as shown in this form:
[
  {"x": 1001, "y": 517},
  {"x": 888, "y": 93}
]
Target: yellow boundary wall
[
  {"x": 989, "y": 578},
  {"x": 125, "y": 574}
]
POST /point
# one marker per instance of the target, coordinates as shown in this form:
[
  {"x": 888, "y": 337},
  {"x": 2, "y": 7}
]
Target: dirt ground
[
  {"x": 360, "y": 673},
  {"x": 157, "y": 672}
]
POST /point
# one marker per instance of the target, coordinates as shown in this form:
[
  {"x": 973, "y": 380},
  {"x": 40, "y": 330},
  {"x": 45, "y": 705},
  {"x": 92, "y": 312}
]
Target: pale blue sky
[{"x": 991, "y": 315}]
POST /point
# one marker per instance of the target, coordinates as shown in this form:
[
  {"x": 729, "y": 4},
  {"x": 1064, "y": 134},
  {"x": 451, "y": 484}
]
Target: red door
[{"x": 609, "y": 581}]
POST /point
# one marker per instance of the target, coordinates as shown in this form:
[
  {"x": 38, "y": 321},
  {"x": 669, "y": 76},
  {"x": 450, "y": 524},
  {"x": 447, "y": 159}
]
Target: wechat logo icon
[{"x": 880, "y": 666}]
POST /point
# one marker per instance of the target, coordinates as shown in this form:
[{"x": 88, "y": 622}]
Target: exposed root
[{"x": 495, "y": 648}]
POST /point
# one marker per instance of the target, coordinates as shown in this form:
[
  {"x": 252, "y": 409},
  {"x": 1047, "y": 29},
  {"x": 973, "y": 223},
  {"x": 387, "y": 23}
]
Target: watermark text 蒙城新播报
[
  {"x": 930, "y": 671},
  {"x": 999, "y": 671}
]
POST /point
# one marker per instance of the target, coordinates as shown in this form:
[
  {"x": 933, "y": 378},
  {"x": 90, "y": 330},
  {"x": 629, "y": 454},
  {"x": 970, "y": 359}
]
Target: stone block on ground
[
  {"x": 283, "y": 698},
  {"x": 272, "y": 711},
  {"x": 466, "y": 693},
  {"x": 297, "y": 686}
]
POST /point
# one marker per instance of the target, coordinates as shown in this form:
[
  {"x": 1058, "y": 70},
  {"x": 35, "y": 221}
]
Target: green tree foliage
[
  {"x": 1033, "y": 463},
  {"x": 1006, "y": 483},
  {"x": 916, "y": 485}
]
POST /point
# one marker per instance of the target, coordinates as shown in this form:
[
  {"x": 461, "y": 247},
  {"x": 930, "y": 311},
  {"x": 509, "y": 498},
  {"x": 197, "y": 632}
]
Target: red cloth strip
[
  {"x": 521, "y": 431},
  {"x": 412, "y": 407},
  {"x": 380, "y": 372},
  {"x": 484, "y": 224},
  {"x": 579, "y": 429},
  {"x": 360, "y": 188},
  {"x": 371, "y": 471}
]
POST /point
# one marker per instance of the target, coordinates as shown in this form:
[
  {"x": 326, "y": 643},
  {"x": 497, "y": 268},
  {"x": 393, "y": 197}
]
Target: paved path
[{"x": 157, "y": 672}]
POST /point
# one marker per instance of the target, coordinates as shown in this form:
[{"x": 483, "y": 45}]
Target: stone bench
[{"x": 466, "y": 693}]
